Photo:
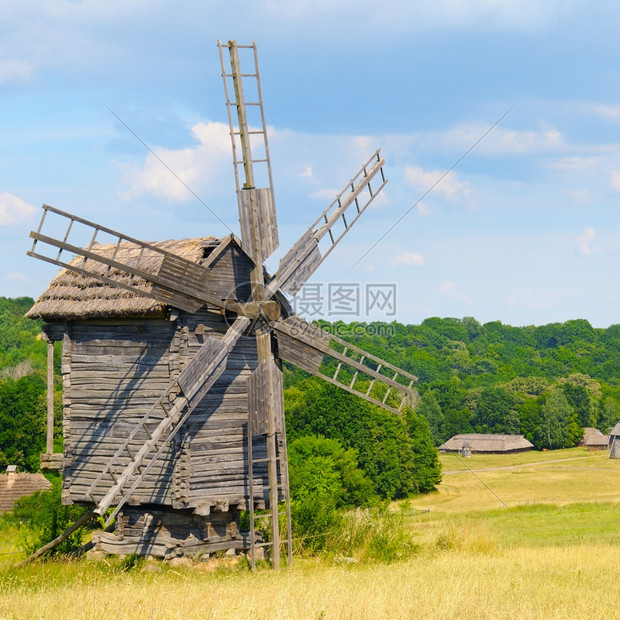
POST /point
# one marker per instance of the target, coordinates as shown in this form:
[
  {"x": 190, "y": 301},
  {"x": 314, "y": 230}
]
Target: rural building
[
  {"x": 593, "y": 439},
  {"x": 120, "y": 352},
  {"x": 614, "y": 442},
  {"x": 489, "y": 444},
  {"x": 14, "y": 485}
]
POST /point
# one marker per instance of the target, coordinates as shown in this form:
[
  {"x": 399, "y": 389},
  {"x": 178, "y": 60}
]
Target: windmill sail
[
  {"x": 250, "y": 147},
  {"x": 304, "y": 258},
  {"x": 259, "y": 236},
  {"x": 309, "y": 347},
  {"x": 174, "y": 280}
]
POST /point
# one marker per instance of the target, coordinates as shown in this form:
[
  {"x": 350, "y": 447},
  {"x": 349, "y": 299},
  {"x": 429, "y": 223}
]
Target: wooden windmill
[{"x": 173, "y": 405}]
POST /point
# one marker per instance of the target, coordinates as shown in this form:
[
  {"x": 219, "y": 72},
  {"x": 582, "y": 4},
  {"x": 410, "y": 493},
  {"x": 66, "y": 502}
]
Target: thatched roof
[
  {"x": 615, "y": 431},
  {"x": 479, "y": 442},
  {"x": 592, "y": 437},
  {"x": 14, "y": 486},
  {"x": 71, "y": 295}
]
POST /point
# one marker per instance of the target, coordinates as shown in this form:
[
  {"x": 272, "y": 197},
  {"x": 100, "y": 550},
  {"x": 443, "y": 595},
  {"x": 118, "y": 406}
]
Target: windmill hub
[{"x": 269, "y": 310}]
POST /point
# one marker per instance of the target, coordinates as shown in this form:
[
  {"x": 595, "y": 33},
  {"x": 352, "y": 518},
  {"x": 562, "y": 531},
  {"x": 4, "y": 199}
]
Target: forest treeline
[{"x": 545, "y": 382}]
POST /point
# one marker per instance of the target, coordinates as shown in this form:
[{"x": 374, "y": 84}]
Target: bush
[
  {"x": 41, "y": 518},
  {"x": 373, "y": 535},
  {"x": 324, "y": 478}
]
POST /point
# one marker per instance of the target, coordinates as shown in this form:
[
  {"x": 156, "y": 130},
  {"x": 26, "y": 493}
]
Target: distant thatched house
[
  {"x": 614, "y": 442},
  {"x": 14, "y": 485},
  {"x": 593, "y": 439},
  {"x": 489, "y": 444}
]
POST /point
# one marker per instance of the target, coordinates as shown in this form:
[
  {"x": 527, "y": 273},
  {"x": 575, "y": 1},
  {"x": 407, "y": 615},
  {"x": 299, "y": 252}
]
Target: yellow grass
[
  {"x": 559, "y": 477},
  {"x": 525, "y": 583}
]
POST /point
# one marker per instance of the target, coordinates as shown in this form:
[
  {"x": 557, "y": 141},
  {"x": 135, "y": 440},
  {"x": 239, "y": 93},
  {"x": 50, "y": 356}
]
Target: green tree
[
  {"x": 425, "y": 457},
  {"x": 580, "y": 400},
  {"x": 324, "y": 478},
  {"x": 496, "y": 412},
  {"x": 559, "y": 425},
  {"x": 323, "y": 466},
  {"x": 22, "y": 421},
  {"x": 380, "y": 438},
  {"x": 608, "y": 414},
  {"x": 430, "y": 409},
  {"x": 530, "y": 416}
]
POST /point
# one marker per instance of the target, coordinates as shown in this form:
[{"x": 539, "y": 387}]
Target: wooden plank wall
[{"x": 113, "y": 373}]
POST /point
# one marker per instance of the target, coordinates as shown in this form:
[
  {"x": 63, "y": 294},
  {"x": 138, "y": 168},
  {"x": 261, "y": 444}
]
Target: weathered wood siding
[{"x": 112, "y": 374}]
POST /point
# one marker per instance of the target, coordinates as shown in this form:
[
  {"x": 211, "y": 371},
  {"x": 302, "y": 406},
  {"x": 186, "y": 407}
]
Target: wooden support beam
[
  {"x": 43, "y": 550},
  {"x": 49, "y": 445}
]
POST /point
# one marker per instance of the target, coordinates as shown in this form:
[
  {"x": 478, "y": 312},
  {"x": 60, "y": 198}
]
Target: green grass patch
[{"x": 534, "y": 526}]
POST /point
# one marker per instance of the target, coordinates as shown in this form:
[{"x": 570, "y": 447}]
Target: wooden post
[
  {"x": 255, "y": 212},
  {"x": 50, "y": 395}
]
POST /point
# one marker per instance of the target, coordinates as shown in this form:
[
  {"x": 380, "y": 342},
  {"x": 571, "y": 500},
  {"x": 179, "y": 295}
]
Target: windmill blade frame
[
  {"x": 176, "y": 281},
  {"x": 307, "y": 346},
  {"x": 257, "y": 211},
  {"x": 305, "y": 257}
]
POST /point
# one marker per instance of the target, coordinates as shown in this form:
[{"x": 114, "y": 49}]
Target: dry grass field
[
  {"x": 550, "y": 550},
  {"x": 495, "y": 481},
  {"x": 565, "y": 582}
]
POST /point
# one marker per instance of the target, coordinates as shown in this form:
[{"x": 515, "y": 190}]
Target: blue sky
[{"x": 525, "y": 229}]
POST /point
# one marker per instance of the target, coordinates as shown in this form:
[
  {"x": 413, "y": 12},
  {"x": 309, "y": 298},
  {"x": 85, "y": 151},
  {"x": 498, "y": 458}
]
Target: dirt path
[{"x": 465, "y": 471}]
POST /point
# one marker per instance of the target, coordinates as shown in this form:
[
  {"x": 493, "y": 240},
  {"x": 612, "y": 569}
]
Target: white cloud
[
  {"x": 17, "y": 276},
  {"x": 498, "y": 141},
  {"x": 307, "y": 173},
  {"x": 579, "y": 197},
  {"x": 450, "y": 290},
  {"x": 445, "y": 183},
  {"x": 526, "y": 298},
  {"x": 380, "y": 200},
  {"x": 408, "y": 258},
  {"x": 14, "y": 210},
  {"x": 585, "y": 241},
  {"x": 489, "y": 14},
  {"x": 195, "y": 166},
  {"x": 15, "y": 70},
  {"x": 611, "y": 113},
  {"x": 326, "y": 195},
  {"x": 422, "y": 209},
  {"x": 614, "y": 180},
  {"x": 577, "y": 164}
]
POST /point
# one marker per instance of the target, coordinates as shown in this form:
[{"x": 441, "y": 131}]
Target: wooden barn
[
  {"x": 120, "y": 352},
  {"x": 489, "y": 444},
  {"x": 593, "y": 439},
  {"x": 614, "y": 442}
]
